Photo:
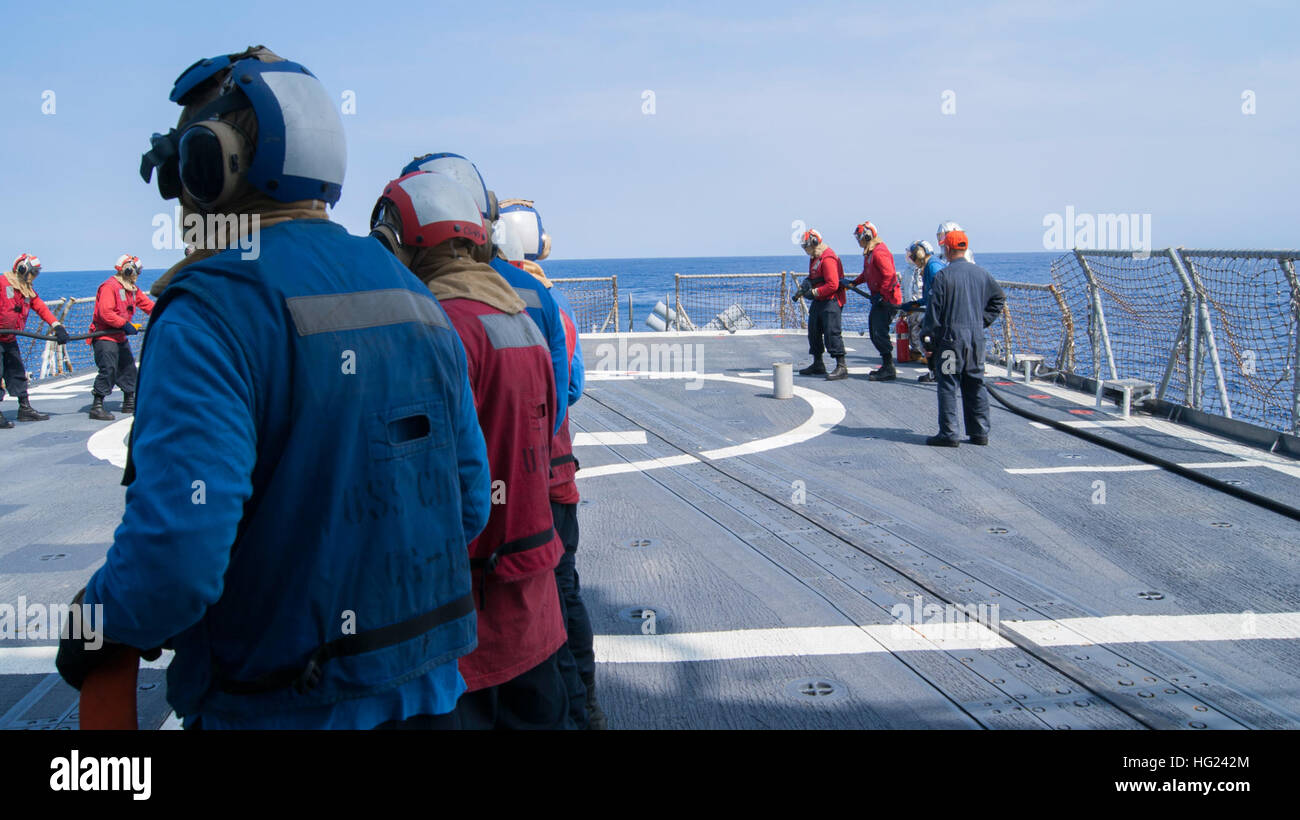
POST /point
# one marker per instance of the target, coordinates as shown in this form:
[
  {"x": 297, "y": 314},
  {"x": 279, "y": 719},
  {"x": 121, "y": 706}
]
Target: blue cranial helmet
[
  {"x": 463, "y": 171},
  {"x": 299, "y": 153}
]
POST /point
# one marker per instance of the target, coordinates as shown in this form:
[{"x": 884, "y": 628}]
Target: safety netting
[
  {"x": 594, "y": 301},
  {"x": 1036, "y": 321},
  {"x": 1143, "y": 306},
  {"x": 1253, "y": 301},
  {"x": 733, "y": 301}
]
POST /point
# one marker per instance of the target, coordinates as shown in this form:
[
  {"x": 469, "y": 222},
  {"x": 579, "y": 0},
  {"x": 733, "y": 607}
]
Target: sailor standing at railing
[
  {"x": 115, "y": 304},
  {"x": 19, "y": 297},
  {"x": 825, "y": 287}
]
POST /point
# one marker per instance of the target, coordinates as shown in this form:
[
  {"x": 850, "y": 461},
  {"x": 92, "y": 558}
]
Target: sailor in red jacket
[
  {"x": 115, "y": 305},
  {"x": 16, "y": 300},
  {"x": 886, "y": 295},
  {"x": 825, "y": 287},
  {"x": 513, "y": 680}
]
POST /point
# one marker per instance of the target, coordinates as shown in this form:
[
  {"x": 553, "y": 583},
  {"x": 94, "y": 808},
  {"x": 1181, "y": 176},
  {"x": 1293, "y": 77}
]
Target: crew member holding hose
[
  {"x": 115, "y": 305},
  {"x": 964, "y": 300},
  {"x": 886, "y": 295},
  {"x": 17, "y": 299},
  {"x": 825, "y": 287}
]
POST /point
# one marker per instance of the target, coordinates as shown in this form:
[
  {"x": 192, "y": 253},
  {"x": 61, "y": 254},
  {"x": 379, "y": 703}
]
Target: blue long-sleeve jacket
[
  {"x": 932, "y": 267},
  {"x": 306, "y": 464},
  {"x": 545, "y": 312}
]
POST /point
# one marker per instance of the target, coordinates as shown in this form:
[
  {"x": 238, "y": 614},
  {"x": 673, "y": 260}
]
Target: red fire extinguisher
[{"x": 904, "y": 342}]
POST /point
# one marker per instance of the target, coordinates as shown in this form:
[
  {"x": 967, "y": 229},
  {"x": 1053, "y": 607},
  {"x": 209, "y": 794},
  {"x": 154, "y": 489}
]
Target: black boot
[
  {"x": 886, "y": 373},
  {"x": 28, "y": 413},
  {"x": 97, "y": 411},
  {"x": 5, "y": 423},
  {"x": 841, "y": 371},
  {"x": 128, "y": 402},
  {"x": 595, "y": 715},
  {"x": 817, "y": 368}
]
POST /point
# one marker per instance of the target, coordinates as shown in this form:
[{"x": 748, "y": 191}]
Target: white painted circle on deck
[
  {"x": 827, "y": 412},
  {"x": 109, "y": 444}
]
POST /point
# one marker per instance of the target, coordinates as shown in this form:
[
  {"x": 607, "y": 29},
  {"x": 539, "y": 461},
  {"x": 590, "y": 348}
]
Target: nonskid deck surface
[{"x": 756, "y": 563}]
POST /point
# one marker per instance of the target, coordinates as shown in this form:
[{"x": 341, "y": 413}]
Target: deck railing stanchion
[
  {"x": 1288, "y": 267},
  {"x": 1206, "y": 329}
]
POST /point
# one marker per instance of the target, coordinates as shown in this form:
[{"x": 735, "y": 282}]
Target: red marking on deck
[
  {"x": 1082, "y": 412},
  {"x": 1039, "y": 396},
  {"x": 1004, "y": 384}
]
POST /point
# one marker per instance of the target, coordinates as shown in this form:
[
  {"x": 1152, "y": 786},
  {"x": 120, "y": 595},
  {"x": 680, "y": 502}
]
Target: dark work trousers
[
  {"x": 824, "y": 328},
  {"x": 879, "y": 320},
  {"x": 537, "y": 699},
  {"x": 577, "y": 656},
  {"x": 959, "y": 365},
  {"x": 116, "y": 367},
  {"x": 15, "y": 374}
]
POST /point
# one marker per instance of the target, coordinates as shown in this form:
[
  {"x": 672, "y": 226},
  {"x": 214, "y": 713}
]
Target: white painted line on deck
[
  {"x": 1116, "y": 629},
  {"x": 1129, "y": 468},
  {"x": 63, "y": 388},
  {"x": 609, "y": 439},
  {"x": 109, "y": 443},
  {"x": 1085, "y": 423},
  {"x": 826, "y": 413},
  {"x": 853, "y": 640}
]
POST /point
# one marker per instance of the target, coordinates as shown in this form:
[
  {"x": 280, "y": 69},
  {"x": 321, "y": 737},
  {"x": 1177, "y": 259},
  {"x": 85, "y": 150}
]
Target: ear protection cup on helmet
[
  {"x": 494, "y": 207},
  {"x": 214, "y": 157},
  {"x": 546, "y": 246}
]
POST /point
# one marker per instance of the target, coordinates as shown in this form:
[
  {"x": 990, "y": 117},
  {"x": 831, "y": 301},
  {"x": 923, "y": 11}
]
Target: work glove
[
  {"x": 876, "y": 300},
  {"x": 129, "y": 329},
  {"x": 75, "y": 660},
  {"x": 61, "y": 334},
  {"x": 804, "y": 289}
]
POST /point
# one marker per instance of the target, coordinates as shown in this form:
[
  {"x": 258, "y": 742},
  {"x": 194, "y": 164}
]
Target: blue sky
[{"x": 765, "y": 113}]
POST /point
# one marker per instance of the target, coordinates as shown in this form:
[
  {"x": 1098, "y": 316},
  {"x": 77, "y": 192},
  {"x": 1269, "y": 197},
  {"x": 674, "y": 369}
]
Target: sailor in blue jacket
[
  {"x": 306, "y": 466},
  {"x": 927, "y": 265}
]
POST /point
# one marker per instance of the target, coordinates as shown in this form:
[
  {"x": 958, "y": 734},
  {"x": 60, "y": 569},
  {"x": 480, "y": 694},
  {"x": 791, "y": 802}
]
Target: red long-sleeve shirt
[
  {"x": 826, "y": 272},
  {"x": 14, "y": 308},
  {"x": 878, "y": 272},
  {"x": 114, "y": 307}
]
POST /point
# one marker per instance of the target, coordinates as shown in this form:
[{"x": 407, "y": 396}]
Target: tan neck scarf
[
  {"x": 457, "y": 276},
  {"x": 269, "y": 212},
  {"x": 536, "y": 270},
  {"x": 19, "y": 285}
]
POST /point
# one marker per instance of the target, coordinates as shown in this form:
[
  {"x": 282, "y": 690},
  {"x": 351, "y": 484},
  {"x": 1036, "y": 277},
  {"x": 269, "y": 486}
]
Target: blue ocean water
[{"x": 642, "y": 278}]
